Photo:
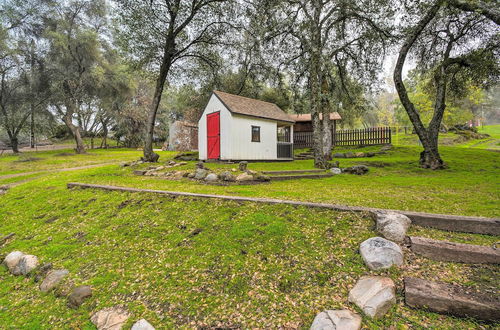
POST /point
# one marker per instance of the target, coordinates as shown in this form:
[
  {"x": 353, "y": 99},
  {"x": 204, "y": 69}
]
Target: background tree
[
  {"x": 311, "y": 38},
  {"x": 74, "y": 51},
  {"x": 454, "y": 46},
  {"x": 162, "y": 34},
  {"x": 22, "y": 74}
]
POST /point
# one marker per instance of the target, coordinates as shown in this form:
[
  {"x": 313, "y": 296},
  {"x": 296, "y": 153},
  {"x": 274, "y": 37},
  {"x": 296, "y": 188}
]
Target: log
[
  {"x": 455, "y": 252},
  {"x": 450, "y": 299}
]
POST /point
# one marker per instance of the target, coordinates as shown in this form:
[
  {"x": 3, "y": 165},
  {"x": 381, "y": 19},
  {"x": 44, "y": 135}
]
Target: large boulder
[
  {"x": 142, "y": 324},
  {"x": 336, "y": 320},
  {"x": 26, "y": 265},
  {"x": 375, "y": 295},
  {"x": 12, "y": 259},
  {"x": 110, "y": 318},
  {"x": 243, "y": 177},
  {"x": 379, "y": 253},
  {"x": 54, "y": 277},
  {"x": 212, "y": 177},
  {"x": 392, "y": 225},
  {"x": 200, "y": 173},
  {"x": 78, "y": 296}
]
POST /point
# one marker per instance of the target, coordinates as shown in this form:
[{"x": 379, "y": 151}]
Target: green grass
[
  {"x": 65, "y": 158},
  {"x": 469, "y": 186},
  {"x": 251, "y": 265},
  {"x": 452, "y": 139}
]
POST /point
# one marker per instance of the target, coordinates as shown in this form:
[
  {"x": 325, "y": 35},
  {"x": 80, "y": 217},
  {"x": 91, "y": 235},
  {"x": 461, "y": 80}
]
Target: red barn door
[{"x": 213, "y": 135}]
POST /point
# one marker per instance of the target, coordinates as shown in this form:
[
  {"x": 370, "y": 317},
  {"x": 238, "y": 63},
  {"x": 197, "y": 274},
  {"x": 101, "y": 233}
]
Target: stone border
[{"x": 478, "y": 225}]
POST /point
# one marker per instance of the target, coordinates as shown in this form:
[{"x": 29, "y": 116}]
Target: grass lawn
[
  {"x": 184, "y": 263},
  {"x": 452, "y": 139},
  {"x": 470, "y": 186},
  {"x": 249, "y": 266}
]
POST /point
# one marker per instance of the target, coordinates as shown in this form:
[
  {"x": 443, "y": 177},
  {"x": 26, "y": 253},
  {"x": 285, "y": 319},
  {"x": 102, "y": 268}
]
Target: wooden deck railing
[{"x": 348, "y": 137}]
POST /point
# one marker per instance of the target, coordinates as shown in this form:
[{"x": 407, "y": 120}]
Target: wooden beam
[
  {"x": 455, "y": 252},
  {"x": 450, "y": 299}
]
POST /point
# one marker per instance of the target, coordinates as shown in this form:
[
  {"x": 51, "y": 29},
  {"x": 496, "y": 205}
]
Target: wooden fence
[{"x": 348, "y": 137}]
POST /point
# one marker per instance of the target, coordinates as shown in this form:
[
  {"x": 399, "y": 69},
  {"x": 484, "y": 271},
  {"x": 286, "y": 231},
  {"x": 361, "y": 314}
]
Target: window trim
[{"x": 251, "y": 137}]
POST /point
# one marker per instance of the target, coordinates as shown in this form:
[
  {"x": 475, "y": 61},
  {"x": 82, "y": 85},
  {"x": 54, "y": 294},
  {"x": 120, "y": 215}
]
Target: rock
[
  {"x": 200, "y": 165},
  {"x": 212, "y": 177},
  {"x": 336, "y": 170},
  {"x": 150, "y": 173},
  {"x": 387, "y": 147},
  {"x": 139, "y": 172},
  {"x": 360, "y": 154},
  {"x": 182, "y": 163},
  {"x": 54, "y": 277},
  {"x": 243, "y": 166},
  {"x": 233, "y": 170},
  {"x": 392, "y": 225},
  {"x": 251, "y": 172},
  {"x": 243, "y": 177},
  {"x": 26, "y": 265},
  {"x": 200, "y": 173},
  {"x": 375, "y": 295},
  {"x": 171, "y": 162},
  {"x": 78, "y": 295},
  {"x": 339, "y": 155},
  {"x": 42, "y": 271},
  {"x": 370, "y": 154},
  {"x": 12, "y": 259},
  {"x": 110, "y": 318},
  {"x": 450, "y": 299},
  {"x": 160, "y": 168},
  {"x": 349, "y": 155},
  {"x": 178, "y": 174},
  {"x": 357, "y": 169},
  {"x": 379, "y": 253},
  {"x": 227, "y": 176},
  {"x": 190, "y": 175},
  {"x": 261, "y": 177},
  {"x": 142, "y": 325},
  {"x": 336, "y": 320}
]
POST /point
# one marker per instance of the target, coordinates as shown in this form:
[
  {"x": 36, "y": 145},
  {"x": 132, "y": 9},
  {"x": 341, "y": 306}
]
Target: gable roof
[
  {"x": 307, "y": 116},
  {"x": 252, "y": 107}
]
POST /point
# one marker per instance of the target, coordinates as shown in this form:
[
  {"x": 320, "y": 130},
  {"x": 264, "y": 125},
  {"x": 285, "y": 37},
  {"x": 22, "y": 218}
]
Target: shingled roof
[
  {"x": 307, "y": 116},
  {"x": 252, "y": 107}
]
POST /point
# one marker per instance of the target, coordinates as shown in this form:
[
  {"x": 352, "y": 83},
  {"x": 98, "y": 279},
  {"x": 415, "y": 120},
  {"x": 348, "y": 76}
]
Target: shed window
[{"x": 255, "y": 133}]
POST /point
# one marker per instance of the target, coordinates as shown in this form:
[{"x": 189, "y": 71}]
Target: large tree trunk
[
  {"x": 430, "y": 157},
  {"x": 75, "y": 130},
  {"x": 149, "y": 155},
  {"x": 327, "y": 136},
  {"x": 14, "y": 143}
]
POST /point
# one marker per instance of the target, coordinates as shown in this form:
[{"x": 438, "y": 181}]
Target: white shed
[{"x": 234, "y": 127}]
